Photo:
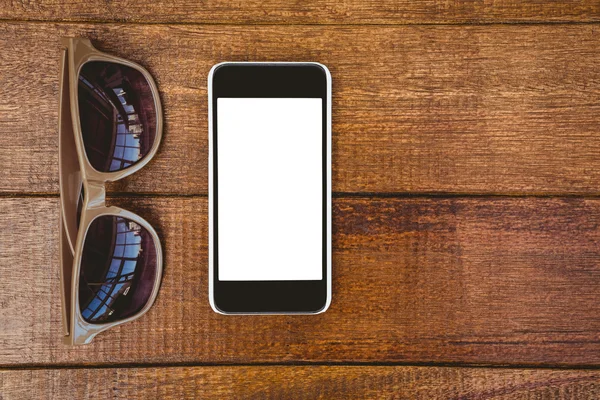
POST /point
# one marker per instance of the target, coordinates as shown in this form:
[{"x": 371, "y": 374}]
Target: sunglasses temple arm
[{"x": 66, "y": 269}]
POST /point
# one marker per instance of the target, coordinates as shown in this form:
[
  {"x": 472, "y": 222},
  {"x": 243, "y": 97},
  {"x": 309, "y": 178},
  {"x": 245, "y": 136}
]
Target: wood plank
[
  {"x": 306, "y": 12},
  {"x": 480, "y": 280},
  {"x": 311, "y": 382},
  {"x": 462, "y": 109}
]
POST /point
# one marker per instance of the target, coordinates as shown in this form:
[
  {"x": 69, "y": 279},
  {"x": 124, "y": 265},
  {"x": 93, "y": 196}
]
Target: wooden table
[{"x": 466, "y": 213}]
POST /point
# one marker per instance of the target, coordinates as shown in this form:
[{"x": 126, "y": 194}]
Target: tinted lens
[
  {"x": 117, "y": 115},
  {"x": 118, "y": 267}
]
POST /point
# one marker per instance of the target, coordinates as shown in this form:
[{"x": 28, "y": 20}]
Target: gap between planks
[
  {"x": 268, "y": 24},
  {"x": 335, "y": 195},
  {"x": 74, "y": 366}
]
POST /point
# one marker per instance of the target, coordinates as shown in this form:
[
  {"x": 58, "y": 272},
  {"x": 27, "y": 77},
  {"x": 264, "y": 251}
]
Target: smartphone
[{"x": 269, "y": 188}]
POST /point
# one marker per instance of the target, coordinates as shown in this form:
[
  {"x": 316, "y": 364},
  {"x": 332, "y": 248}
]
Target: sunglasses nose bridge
[{"x": 96, "y": 194}]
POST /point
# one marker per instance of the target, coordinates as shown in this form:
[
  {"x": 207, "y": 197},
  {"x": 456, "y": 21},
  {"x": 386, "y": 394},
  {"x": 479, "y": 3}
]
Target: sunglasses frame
[{"x": 75, "y": 53}]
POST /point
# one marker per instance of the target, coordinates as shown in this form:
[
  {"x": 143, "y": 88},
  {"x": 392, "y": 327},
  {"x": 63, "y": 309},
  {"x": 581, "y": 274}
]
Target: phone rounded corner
[
  {"x": 213, "y": 305},
  {"x": 324, "y": 68},
  {"x": 214, "y": 69},
  {"x": 325, "y": 306}
]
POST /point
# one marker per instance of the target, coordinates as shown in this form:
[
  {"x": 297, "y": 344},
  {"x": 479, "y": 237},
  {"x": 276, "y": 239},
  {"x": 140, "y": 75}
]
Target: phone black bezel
[{"x": 259, "y": 80}]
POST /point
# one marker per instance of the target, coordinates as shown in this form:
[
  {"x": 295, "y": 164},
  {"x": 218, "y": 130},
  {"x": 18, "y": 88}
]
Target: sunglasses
[{"x": 110, "y": 126}]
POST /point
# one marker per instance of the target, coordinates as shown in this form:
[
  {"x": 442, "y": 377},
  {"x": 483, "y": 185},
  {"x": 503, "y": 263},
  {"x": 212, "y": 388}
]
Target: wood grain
[
  {"x": 305, "y": 12},
  {"x": 308, "y": 382},
  {"x": 477, "y": 281},
  {"x": 462, "y": 109}
]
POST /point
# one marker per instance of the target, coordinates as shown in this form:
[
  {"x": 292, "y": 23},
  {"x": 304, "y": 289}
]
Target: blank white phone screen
[{"x": 270, "y": 189}]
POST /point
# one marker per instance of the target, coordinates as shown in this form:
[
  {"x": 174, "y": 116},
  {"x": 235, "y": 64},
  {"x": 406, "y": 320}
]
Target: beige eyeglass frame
[{"x": 75, "y": 170}]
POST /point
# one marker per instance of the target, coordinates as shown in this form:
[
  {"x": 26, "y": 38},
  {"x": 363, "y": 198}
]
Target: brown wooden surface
[
  {"x": 477, "y": 281},
  {"x": 466, "y": 228},
  {"x": 305, "y": 12},
  {"x": 300, "y": 383},
  {"x": 464, "y": 109}
]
